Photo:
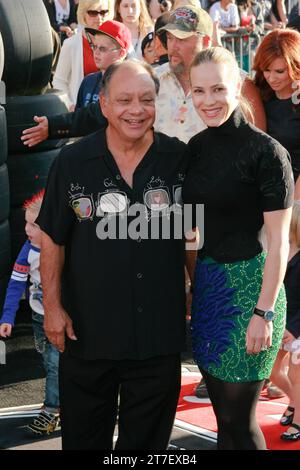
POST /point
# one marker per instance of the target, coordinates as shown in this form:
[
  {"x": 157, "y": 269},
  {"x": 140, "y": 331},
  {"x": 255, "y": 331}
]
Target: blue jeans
[{"x": 50, "y": 359}]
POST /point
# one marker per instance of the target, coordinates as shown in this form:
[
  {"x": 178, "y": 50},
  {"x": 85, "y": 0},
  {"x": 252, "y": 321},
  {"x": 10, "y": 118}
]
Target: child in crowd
[
  {"x": 148, "y": 49},
  {"x": 28, "y": 264},
  {"x": 290, "y": 383}
]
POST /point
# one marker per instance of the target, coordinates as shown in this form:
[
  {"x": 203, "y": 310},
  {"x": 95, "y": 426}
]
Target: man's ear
[
  {"x": 103, "y": 103},
  {"x": 122, "y": 54}
]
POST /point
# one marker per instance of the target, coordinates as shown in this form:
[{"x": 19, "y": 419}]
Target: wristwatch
[{"x": 267, "y": 315}]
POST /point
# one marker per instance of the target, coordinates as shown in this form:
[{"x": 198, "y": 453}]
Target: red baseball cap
[{"x": 116, "y": 31}]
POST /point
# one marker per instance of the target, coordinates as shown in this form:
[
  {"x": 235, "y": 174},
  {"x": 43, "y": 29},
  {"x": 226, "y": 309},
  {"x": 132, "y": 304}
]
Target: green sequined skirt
[{"x": 224, "y": 298}]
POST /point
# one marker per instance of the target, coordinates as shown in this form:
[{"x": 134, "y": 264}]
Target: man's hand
[
  {"x": 57, "y": 324},
  {"x": 259, "y": 335},
  {"x": 35, "y": 135}
]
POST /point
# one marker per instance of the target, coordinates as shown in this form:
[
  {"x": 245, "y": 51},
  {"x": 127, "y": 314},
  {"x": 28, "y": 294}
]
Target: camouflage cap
[{"x": 184, "y": 22}]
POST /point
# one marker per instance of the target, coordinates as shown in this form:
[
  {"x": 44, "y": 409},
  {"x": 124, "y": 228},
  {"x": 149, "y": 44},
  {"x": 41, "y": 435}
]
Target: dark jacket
[
  {"x": 50, "y": 7},
  {"x": 82, "y": 122}
]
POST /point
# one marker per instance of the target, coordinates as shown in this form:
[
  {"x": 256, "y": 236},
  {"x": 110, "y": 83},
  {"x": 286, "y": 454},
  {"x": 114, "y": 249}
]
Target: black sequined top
[{"x": 237, "y": 172}]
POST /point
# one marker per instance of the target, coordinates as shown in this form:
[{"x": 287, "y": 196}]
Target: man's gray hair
[{"x": 111, "y": 70}]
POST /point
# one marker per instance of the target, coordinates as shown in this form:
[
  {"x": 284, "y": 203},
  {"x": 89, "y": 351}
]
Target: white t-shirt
[
  {"x": 62, "y": 14},
  {"x": 227, "y": 18}
]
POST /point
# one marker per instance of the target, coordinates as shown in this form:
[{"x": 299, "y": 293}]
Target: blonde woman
[
  {"x": 134, "y": 14},
  {"x": 76, "y": 58},
  {"x": 243, "y": 178}
]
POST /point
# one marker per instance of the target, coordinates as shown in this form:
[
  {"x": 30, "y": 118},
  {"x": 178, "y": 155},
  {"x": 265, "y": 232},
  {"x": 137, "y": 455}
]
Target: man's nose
[{"x": 136, "y": 107}]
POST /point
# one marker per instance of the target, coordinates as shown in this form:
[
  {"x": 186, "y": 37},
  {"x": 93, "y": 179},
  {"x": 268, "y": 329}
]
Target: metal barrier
[{"x": 243, "y": 45}]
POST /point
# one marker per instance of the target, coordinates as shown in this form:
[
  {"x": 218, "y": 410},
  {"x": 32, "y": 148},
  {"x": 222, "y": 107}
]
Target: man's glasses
[
  {"x": 102, "y": 49},
  {"x": 94, "y": 13}
]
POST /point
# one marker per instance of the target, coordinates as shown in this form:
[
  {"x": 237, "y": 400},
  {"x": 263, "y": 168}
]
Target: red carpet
[{"x": 201, "y": 414}]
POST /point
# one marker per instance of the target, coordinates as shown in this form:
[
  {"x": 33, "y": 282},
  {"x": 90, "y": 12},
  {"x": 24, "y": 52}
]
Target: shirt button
[
  {"x": 140, "y": 309},
  {"x": 139, "y": 275},
  {"x": 118, "y": 177}
]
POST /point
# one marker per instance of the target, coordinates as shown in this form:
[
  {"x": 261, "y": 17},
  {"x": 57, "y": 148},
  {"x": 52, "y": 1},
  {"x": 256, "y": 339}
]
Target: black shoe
[
  {"x": 294, "y": 436},
  {"x": 287, "y": 419}
]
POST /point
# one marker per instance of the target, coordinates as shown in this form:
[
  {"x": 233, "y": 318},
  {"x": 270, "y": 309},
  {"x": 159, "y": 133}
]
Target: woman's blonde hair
[
  {"x": 295, "y": 222},
  {"x": 145, "y": 21},
  {"x": 85, "y": 5},
  {"x": 220, "y": 55}
]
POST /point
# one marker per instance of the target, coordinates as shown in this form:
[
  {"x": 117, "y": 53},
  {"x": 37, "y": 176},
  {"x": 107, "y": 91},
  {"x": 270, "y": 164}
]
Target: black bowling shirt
[{"x": 126, "y": 297}]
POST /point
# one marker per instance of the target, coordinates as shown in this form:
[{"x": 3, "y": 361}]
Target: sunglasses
[
  {"x": 102, "y": 49},
  {"x": 94, "y": 13}
]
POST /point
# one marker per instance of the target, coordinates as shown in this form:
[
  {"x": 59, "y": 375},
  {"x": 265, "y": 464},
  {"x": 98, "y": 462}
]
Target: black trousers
[{"x": 89, "y": 390}]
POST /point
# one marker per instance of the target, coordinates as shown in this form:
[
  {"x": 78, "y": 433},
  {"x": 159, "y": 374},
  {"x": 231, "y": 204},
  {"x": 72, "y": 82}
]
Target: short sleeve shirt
[
  {"x": 125, "y": 294},
  {"x": 175, "y": 113},
  {"x": 227, "y": 18},
  {"x": 238, "y": 173}
]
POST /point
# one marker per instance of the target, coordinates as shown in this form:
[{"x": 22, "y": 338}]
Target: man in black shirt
[{"x": 118, "y": 300}]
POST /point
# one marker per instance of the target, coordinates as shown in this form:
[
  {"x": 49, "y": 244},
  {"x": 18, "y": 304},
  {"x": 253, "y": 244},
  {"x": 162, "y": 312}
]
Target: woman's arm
[
  {"x": 282, "y": 11},
  {"x": 251, "y": 93},
  {"x": 277, "y": 224}
]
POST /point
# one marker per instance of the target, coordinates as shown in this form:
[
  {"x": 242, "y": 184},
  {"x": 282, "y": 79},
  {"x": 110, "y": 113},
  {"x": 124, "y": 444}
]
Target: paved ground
[{"x": 22, "y": 389}]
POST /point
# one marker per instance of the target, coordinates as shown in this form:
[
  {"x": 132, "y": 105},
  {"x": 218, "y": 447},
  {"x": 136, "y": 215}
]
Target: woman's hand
[
  {"x": 67, "y": 30},
  {"x": 259, "y": 335},
  {"x": 287, "y": 337}
]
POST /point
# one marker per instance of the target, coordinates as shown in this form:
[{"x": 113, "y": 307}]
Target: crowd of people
[
  {"x": 183, "y": 126},
  {"x": 247, "y": 21}
]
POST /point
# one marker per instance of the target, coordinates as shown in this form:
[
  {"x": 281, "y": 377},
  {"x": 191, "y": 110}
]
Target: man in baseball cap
[
  {"x": 185, "y": 21},
  {"x": 188, "y": 30},
  {"x": 115, "y": 30},
  {"x": 110, "y": 42}
]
